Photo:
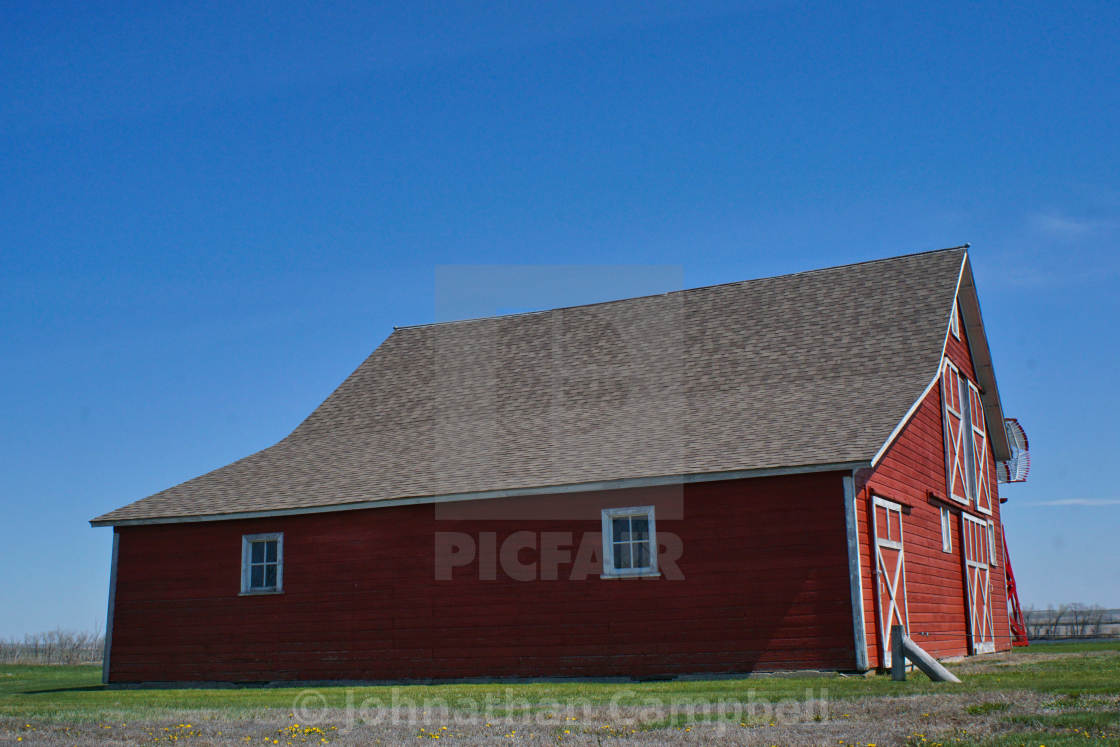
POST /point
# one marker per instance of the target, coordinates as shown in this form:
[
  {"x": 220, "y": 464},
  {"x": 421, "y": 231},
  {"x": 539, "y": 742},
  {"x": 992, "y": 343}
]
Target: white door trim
[
  {"x": 893, "y": 578},
  {"x": 978, "y": 583}
]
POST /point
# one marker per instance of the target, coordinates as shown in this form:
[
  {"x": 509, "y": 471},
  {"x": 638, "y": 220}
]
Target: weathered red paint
[
  {"x": 765, "y": 587},
  {"x": 766, "y": 584},
  {"x": 912, "y": 468}
]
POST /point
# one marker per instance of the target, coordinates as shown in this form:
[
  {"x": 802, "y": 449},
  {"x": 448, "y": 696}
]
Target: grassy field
[{"x": 1046, "y": 695}]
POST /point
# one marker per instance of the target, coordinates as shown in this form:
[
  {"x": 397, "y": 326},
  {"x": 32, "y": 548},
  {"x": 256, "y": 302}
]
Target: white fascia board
[
  {"x": 976, "y": 338},
  {"x": 936, "y": 375},
  {"x": 981, "y": 353}
]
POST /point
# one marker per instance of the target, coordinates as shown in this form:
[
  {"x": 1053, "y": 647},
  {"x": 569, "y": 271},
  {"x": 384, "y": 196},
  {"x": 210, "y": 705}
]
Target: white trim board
[
  {"x": 583, "y": 487},
  {"x": 968, "y": 305},
  {"x": 909, "y": 413},
  {"x": 111, "y": 606},
  {"x": 981, "y": 353},
  {"x": 855, "y": 573},
  {"x": 936, "y": 376}
]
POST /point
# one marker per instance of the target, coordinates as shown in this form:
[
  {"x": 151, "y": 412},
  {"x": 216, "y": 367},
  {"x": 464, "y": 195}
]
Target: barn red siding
[
  {"x": 913, "y": 467},
  {"x": 765, "y": 587}
]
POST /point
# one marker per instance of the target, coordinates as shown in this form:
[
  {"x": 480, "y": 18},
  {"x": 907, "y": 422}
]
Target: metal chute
[{"x": 1018, "y": 466}]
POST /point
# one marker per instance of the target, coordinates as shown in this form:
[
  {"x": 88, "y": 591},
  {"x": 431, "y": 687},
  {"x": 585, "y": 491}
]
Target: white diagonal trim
[{"x": 944, "y": 344}]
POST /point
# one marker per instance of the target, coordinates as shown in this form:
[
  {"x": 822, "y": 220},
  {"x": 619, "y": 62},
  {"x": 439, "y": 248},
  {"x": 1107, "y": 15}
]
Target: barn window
[
  {"x": 629, "y": 542},
  {"x": 954, "y": 323},
  {"x": 946, "y": 530},
  {"x": 262, "y": 563},
  {"x": 992, "y": 554}
]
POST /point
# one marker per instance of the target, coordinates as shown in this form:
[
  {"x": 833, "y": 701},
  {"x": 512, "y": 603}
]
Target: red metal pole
[{"x": 1018, "y": 625}]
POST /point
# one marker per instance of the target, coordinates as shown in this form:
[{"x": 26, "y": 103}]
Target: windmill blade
[{"x": 1018, "y": 466}]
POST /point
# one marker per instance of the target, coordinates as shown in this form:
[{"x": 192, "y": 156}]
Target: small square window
[
  {"x": 946, "y": 530},
  {"x": 629, "y": 542},
  {"x": 262, "y": 563}
]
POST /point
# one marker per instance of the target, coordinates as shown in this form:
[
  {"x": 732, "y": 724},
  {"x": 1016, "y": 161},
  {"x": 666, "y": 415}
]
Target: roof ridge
[{"x": 397, "y": 327}]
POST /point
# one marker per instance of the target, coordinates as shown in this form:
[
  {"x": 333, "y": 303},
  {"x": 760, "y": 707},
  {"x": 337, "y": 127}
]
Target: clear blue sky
[{"x": 210, "y": 214}]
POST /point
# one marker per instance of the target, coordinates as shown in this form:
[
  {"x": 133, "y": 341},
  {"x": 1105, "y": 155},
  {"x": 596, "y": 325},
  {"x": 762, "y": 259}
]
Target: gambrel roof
[{"x": 812, "y": 370}]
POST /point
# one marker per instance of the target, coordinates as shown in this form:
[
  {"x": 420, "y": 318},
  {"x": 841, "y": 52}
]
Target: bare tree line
[
  {"x": 54, "y": 647},
  {"x": 1072, "y": 621},
  {"x": 70, "y": 647}
]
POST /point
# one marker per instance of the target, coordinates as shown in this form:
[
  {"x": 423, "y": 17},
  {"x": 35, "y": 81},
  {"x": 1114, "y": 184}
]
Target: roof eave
[
  {"x": 969, "y": 302},
  {"x": 637, "y": 482},
  {"x": 976, "y": 338}
]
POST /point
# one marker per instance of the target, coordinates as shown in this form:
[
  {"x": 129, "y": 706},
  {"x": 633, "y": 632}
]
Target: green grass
[
  {"x": 1093, "y": 727},
  {"x": 979, "y": 709},
  {"x": 1078, "y": 684},
  {"x": 41, "y": 691},
  {"x": 1101, "y": 720},
  {"x": 1049, "y": 739},
  {"x": 1070, "y": 647}
]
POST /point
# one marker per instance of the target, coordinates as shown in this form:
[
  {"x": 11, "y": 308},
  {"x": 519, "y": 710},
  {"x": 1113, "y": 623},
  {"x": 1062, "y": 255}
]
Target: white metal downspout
[
  {"x": 855, "y": 574},
  {"x": 112, "y": 605}
]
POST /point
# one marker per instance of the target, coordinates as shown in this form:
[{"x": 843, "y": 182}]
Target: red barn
[{"x": 752, "y": 476}]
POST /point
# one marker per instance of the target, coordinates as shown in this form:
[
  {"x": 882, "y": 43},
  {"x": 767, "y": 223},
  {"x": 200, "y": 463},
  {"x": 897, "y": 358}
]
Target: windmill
[{"x": 1014, "y": 469}]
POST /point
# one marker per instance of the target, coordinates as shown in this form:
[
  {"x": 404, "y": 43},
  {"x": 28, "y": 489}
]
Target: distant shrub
[{"x": 54, "y": 647}]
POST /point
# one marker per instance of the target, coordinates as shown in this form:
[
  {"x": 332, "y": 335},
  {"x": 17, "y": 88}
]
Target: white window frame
[
  {"x": 954, "y": 322},
  {"x": 247, "y": 541},
  {"x": 608, "y": 516},
  {"x": 993, "y": 557},
  {"x": 946, "y": 529}
]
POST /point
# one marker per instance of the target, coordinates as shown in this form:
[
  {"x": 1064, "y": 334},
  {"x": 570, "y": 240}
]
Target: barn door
[
  {"x": 979, "y": 435},
  {"x": 953, "y": 416},
  {"x": 890, "y": 573},
  {"x": 978, "y": 583}
]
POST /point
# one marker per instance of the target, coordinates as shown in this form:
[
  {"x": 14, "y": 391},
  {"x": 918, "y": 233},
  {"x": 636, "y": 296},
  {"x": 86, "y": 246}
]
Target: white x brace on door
[
  {"x": 890, "y": 572},
  {"x": 978, "y": 583}
]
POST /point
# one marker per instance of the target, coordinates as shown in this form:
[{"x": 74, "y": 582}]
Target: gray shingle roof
[{"x": 804, "y": 369}]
